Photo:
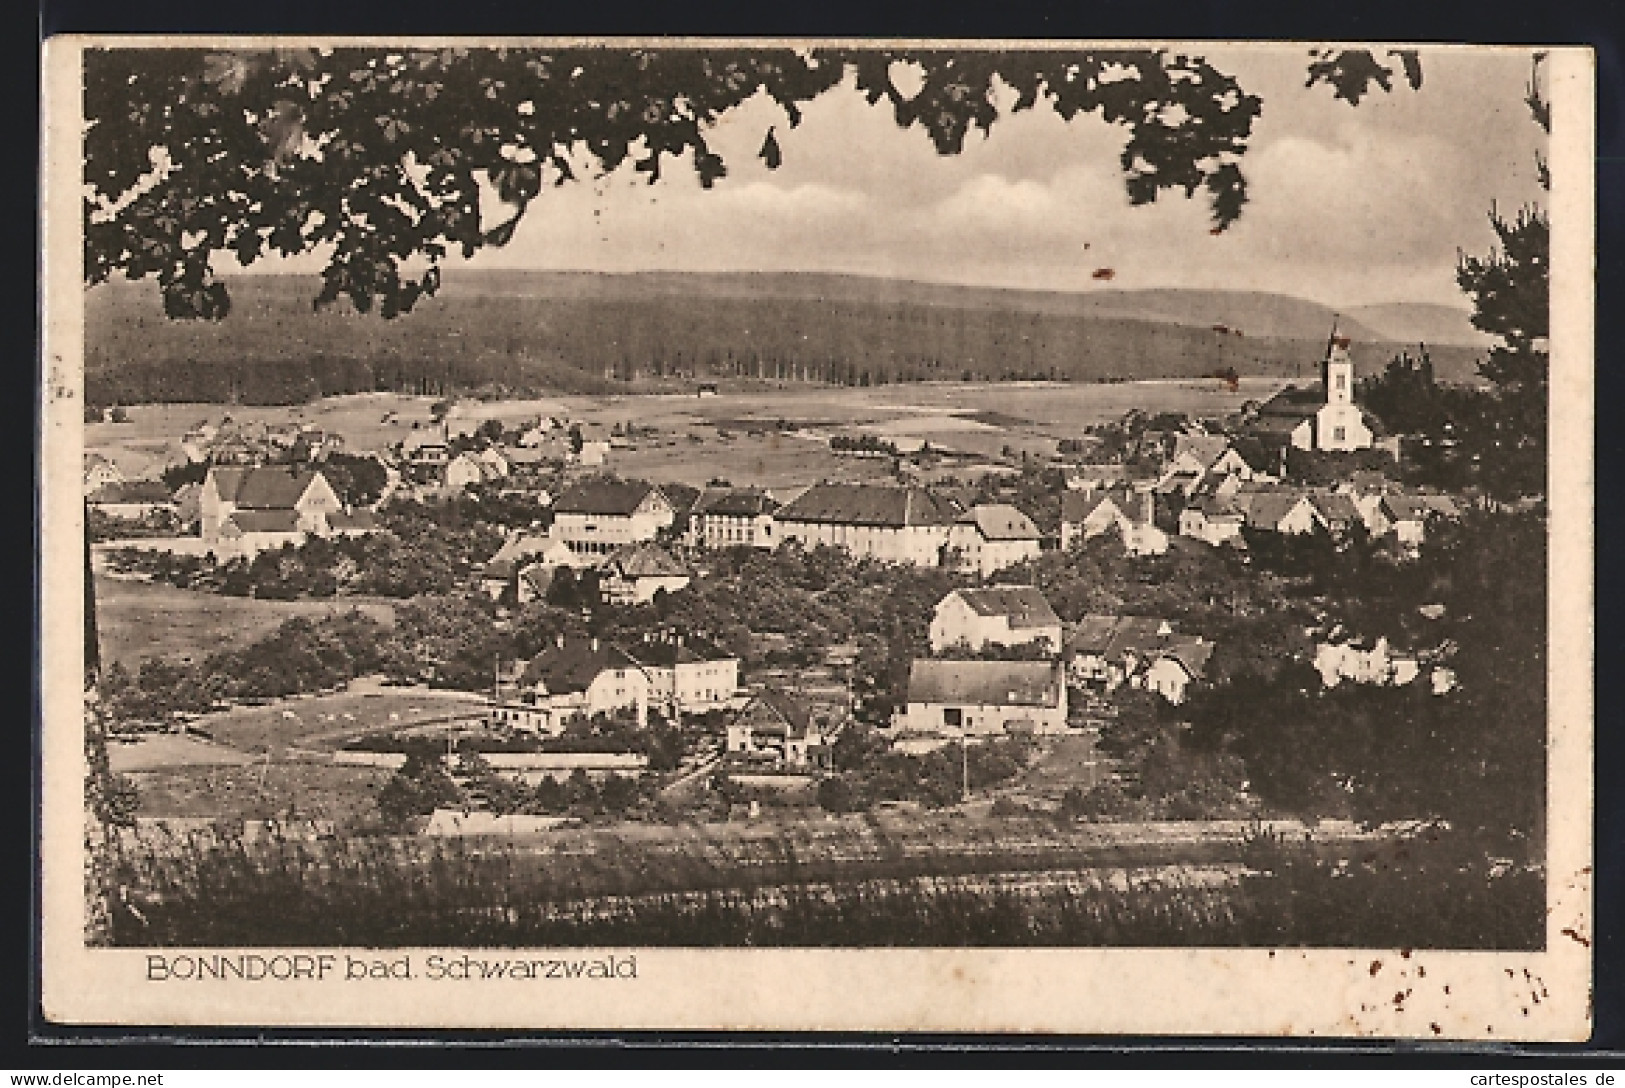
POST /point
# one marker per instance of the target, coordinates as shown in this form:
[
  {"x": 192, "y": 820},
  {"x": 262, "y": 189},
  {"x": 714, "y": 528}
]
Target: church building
[{"x": 1323, "y": 419}]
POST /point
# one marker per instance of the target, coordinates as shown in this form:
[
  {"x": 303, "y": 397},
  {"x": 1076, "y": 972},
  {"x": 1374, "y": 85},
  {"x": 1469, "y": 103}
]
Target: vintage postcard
[{"x": 945, "y": 536}]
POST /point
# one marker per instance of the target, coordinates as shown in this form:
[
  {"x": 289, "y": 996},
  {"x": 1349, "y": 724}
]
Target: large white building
[
  {"x": 244, "y": 510},
  {"x": 983, "y": 698},
  {"x": 870, "y": 521},
  {"x": 991, "y": 536},
  {"x": 729, "y": 517},
  {"x": 1321, "y": 419},
  {"x": 599, "y": 517}
]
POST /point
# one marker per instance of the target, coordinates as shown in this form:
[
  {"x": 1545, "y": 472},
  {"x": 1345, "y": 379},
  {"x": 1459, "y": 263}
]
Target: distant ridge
[
  {"x": 1423, "y": 323},
  {"x": 529, "y": 331}
]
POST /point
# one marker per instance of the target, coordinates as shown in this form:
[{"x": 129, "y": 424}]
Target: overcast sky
[{"x": 1348, "y": 205}]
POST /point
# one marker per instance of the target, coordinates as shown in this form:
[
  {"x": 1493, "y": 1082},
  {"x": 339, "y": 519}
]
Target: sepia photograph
[{"x": 667, "y": 521}]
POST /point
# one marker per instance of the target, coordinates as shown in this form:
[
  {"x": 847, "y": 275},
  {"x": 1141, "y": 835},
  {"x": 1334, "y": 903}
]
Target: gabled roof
[
  {"x": 774, "y": 710},
  {"x": 1214, "y": 507},
  {"x": 1022, "y": 606},
  {"x": 263, "y": 487},
  {"x": 985, "y": 683},
  {"x": 516, "y": 549},
  {"x": 1267, "y": 509},
  {"x": 1078, "y": 505},
  {"x": 1191, "y": 653},
  {"x": 1335, "y": 507},
  {"x": 737, "y": 502},
  {"x": 1000, "y": 521},
  {"x": 645, "y": 560},
  {"x": 605, "y": 497},
  {"x": 266, "y": 521},
  {"x": 1091, "y": 635},
  {"x": 572, "y": 668},
  {"x": 1114, "y": 636},
  {"x": 1205, "y": 448},
  {"x": 1293, "y": 403},
  {"x": 867, "y": 504}
]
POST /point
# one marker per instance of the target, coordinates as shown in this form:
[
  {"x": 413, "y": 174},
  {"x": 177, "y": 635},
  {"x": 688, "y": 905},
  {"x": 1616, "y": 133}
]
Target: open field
[
  {"x": 737, "y": 435},
  {"x": 327, "y": 722},
  {"x": 138, "y": 619}
]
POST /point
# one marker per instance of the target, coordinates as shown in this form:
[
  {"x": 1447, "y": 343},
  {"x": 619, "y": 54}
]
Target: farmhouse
[
  {"x": 727, "y": 517},
  {"x": 892, "y": 524},
  {"x": 1086, "y": 515},
  {"x": 991, "y": 536},
  {"x": 468, "y": 469},
  {"x": 601, "y": 516},
  {"x": 1336, "y": 511},
  {"x": 981, "y": 698},
  {"x": 780, "y": 728},
  {"x": 637, "y": 572},
  {"x": 244, "y": 510},
  {"x": 687, "y": 674},
  {"x": 1179, "y": 664},
  {"x": 994, "y": 616}
]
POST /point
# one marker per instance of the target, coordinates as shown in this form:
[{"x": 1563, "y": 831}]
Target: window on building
[
  {"x": 1338, "y": 433},
  {"x": 953, "y": 717},
  {"x": 1341, "y": 380}
]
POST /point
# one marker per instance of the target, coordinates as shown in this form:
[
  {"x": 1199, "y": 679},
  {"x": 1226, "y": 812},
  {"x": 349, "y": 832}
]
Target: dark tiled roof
[
  {"x": 132, "y": 491},
  {"x": 265, "y": 487},
  {"x": 1025, "y": 606},
  {"x": 1417, "y": 507},
  {"x": 606, "y": 497},
  {"x": 867, "y": 504},
  {"x": 985, "y": 683},
  {"x": 1077, "y": 505},
  {"x": 1265, "y": 509},
  {"x": 664, "y": 653},
  {"x": 1293, "y": 403},
  {"x": 574, "y": 666},
  {"x": 1091, "y": 635},
  {"x": 774, "y": 710},
  {"x": 742, "y": 502},
  {"x": 645, "y": 560},
  {"x": 1000, "y": 521},
  {"x": 1205, "y": 448},
  {"x": 1191, "y": 653},
  {"x": 1335, "y": 507}
]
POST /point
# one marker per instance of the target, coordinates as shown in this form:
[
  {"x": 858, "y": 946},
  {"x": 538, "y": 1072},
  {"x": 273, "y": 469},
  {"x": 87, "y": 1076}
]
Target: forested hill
[{"x": 535, "y": 332}]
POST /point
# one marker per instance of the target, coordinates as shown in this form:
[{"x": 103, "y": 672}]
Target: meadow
[{"x": 137, "y": 619}]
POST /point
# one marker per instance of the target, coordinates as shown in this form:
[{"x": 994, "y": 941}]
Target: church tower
[{"x": 1338, "y": 373}]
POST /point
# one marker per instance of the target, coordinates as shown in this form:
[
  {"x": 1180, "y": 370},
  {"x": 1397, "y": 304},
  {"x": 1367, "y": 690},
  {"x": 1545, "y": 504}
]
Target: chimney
[{"x": 595, "y": 645}]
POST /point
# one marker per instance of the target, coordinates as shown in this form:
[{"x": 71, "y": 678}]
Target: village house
[
  {"x": 468, "y": 469},
  {"x": 1181, "y": 663},
  {"x": 601, "y": 516},
  {"x": 1280, "y": 511},
  {"x": 995, "y": 616},
  {"x": 1212, "y": 519},
  {"x": 132, "y": 499},
  {"x": 1206, "y": 455},
  {"x": 1408, "y": 515},
  {"x": 1320, "y": 419},
  {"x": 991, "y": 536},
  {"x": 1363, "y": 662},
  {"x": 1142, "y": 652},
  {"x": 100, "y": 472},
  {"x": 424, "y": 454},
  {"x": 983, "y": 698},
  {"x": 245, "y": 510},
  {"x": 637, "y": 572},
  {"x": 1132, "y": 514},
  {"x": 576, "y": 677},
  {"x": 779, "y": 728},
  {"x": 870, "y": 521},
  {"x": 520, "y": 550},
  {"x": 1336, "y": 511},
  {"x": 729, "y": 517},
  {"x": 687, "y": 674}
]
